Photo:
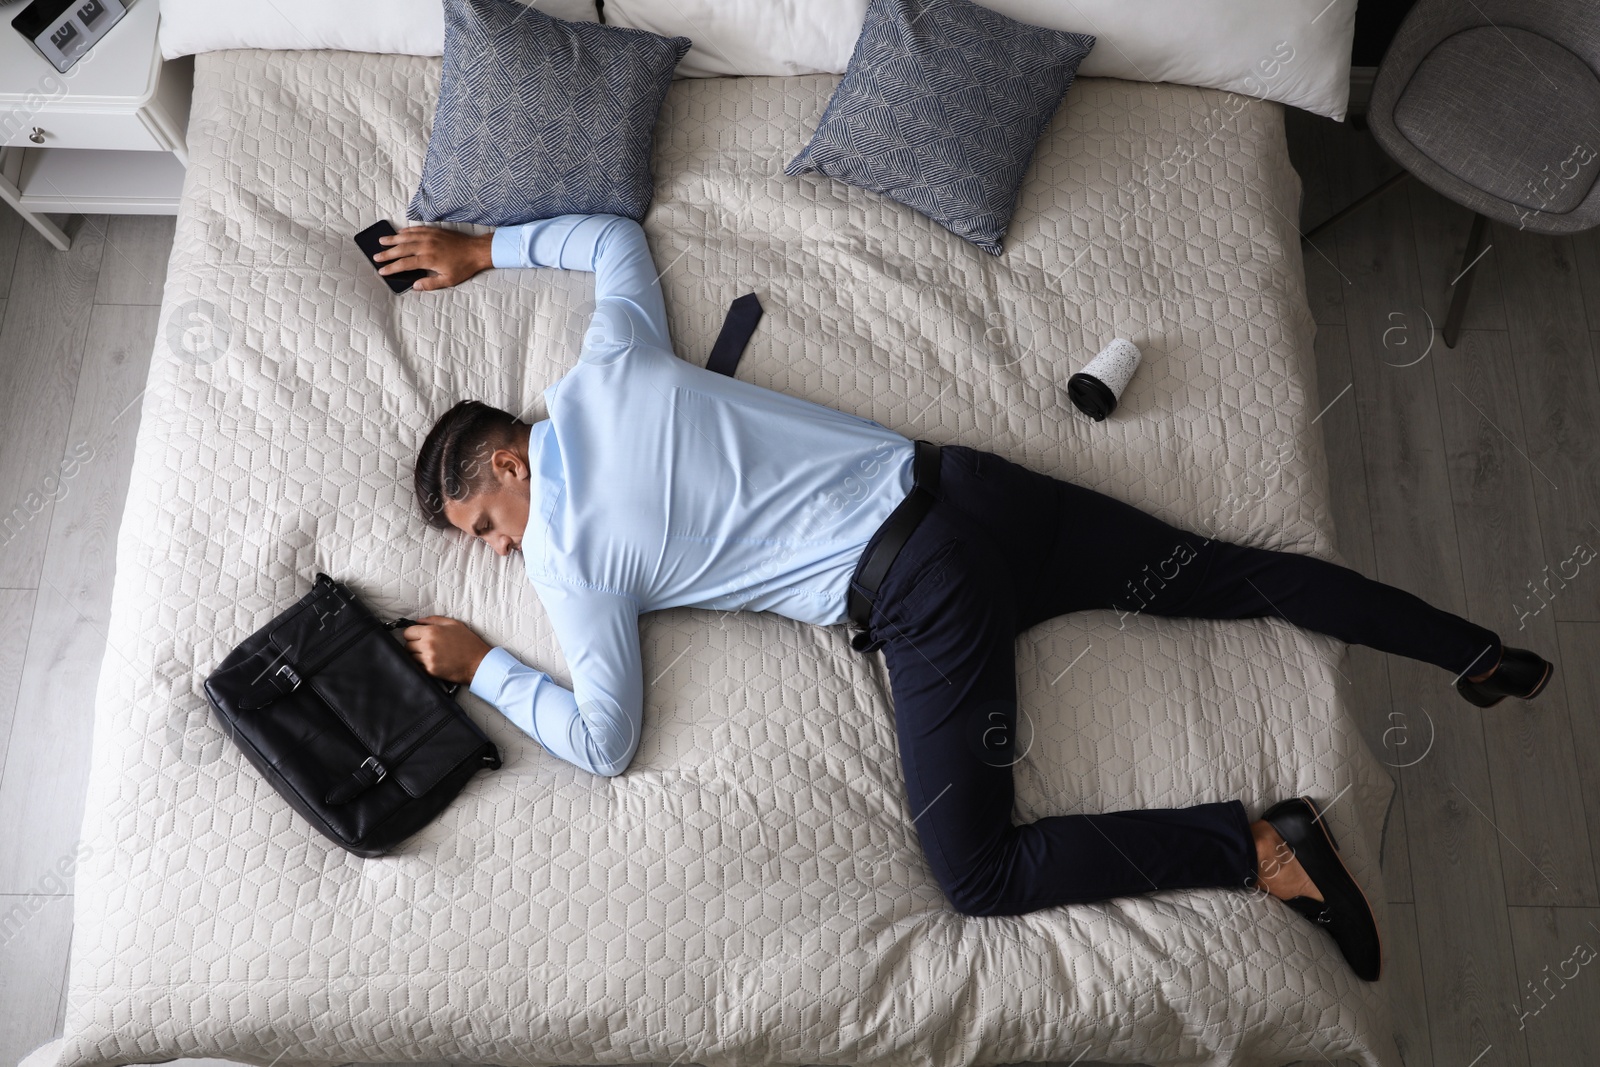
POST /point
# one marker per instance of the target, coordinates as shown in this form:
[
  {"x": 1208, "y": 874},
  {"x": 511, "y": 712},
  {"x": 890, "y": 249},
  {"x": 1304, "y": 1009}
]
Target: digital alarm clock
[{"x": 64, "y": 30}]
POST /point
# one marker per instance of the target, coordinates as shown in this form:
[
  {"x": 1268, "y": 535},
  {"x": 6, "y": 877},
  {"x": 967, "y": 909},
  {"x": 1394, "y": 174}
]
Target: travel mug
[{"x": 1097, "y": 387}]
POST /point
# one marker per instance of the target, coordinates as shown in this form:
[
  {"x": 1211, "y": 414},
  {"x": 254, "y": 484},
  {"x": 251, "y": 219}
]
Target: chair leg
[
  {"x": 1463, "y": 282},
  {"x": 1338, "y": 216}
]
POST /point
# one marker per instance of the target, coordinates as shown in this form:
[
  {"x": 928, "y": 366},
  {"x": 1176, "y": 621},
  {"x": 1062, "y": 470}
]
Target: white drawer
[{"x": 124, "y": 132}]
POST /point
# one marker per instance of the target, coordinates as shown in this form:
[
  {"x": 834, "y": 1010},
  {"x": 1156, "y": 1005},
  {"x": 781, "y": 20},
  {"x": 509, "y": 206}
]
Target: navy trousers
[{"x": 1005, "y": 548}]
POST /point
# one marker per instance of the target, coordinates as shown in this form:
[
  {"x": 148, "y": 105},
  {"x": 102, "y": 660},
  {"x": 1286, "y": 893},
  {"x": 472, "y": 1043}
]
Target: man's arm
[
  {"x": 627, "y": 286},
  {"x": 595, "y": 724},
  {"x": 628, "y": 308}
]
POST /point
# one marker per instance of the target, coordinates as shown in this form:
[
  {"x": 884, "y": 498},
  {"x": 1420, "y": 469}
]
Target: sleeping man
[{"x": 654, "y": 483}]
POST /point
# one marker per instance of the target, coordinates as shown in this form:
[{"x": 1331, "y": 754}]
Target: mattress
[{"x": 752, "y": 889}]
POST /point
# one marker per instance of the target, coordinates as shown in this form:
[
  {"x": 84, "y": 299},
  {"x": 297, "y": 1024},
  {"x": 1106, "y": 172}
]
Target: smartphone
[{"x": 367, "y": 241}]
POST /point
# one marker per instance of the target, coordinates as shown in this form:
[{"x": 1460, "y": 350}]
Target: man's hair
[{"x": 454, "y": 461}]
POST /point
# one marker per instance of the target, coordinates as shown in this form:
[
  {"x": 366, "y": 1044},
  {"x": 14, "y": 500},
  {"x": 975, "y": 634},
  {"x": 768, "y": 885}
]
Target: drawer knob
[{"x": 37, "y": 136}]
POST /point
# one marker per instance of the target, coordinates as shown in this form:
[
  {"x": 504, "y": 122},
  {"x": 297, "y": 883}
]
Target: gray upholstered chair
[{"x": 1496, "y": 105}]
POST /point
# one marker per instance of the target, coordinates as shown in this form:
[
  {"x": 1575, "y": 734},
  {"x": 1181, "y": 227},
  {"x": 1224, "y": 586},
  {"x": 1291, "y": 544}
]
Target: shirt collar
[{"x": 545, "y": 485}]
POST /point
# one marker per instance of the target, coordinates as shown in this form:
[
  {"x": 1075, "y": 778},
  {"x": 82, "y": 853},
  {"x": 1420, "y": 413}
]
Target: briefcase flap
[
  {"x": 272, "y": 662},
  {"x": 392, "y": 707},
  {"x": 320, "y": 625}
]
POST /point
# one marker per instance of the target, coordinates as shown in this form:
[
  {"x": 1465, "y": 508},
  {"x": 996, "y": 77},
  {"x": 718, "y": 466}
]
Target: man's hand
[
  {"x": 452, "y": 257},
  {"x": 446, "y": 648}
]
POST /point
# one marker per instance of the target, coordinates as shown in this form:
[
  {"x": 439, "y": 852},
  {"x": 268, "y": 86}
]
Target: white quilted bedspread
[{"x": 751, "y": 890}]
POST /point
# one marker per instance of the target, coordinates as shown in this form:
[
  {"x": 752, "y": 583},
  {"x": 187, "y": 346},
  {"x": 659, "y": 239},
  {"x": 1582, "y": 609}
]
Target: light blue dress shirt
[{"x": 660, "y": 484}]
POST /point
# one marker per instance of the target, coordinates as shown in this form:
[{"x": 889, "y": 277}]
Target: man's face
[{"x": 498, "y": 514}]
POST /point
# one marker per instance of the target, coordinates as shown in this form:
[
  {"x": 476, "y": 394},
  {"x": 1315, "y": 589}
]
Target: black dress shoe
[
  {"x": 1343, "y": 910},
  {"x": 1521, "y": 674}
]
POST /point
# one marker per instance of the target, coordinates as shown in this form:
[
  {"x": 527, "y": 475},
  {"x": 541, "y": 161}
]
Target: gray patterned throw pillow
[
  {"x": 540, "y": 117},
  {"x": 941, "y": 107}
]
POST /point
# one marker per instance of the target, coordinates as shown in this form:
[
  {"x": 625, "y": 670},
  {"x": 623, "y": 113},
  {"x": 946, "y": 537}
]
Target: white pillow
[
  {"x": 408, "y": 27},
  {"x": 403, "y": 27},
  {"x": 752, "y": 36},
  {"x": 1294, "y": 51}
]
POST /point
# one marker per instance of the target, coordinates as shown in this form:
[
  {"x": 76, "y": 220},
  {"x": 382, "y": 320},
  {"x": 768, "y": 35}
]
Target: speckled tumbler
[{"x": 1097, "y": 387}]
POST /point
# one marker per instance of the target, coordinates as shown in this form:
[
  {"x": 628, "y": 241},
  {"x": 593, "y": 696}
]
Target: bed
[{"x": 751, "y": 890}]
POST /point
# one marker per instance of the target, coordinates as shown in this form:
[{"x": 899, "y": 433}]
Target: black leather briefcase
[{"x": 345, "y": 724}]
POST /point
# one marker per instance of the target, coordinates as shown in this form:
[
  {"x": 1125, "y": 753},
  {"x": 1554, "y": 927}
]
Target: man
[{"x": 654, "y": 484}]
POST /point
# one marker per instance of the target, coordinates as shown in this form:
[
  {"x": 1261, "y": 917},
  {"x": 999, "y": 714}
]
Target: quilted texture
[
  {"x": 752, "y": 888},
  {"x": 941, "y": 107},
  {"x": 540, "y": 117}
]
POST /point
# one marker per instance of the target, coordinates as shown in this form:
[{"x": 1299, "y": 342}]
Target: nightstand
[{"x": 106, "y": 137}]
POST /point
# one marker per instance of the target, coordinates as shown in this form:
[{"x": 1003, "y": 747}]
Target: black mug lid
[{"x": 1092, "y": 396}]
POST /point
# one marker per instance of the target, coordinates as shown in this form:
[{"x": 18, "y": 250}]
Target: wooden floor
[
  {"x": 1471, "y": 477},
  {"x": 1468, "y": 476}
]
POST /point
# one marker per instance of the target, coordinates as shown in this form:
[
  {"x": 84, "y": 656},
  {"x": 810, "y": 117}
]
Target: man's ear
[{"x": 509, "y": 466}]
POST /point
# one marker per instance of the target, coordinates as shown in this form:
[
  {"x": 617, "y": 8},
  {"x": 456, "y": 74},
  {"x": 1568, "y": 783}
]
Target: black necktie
[{"x": 743, "y": 315}]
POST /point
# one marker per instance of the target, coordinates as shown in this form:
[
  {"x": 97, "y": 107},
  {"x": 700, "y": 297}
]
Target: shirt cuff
[
  {"x": 505, "y": 249},
  {"x": 491, "y": 676}
]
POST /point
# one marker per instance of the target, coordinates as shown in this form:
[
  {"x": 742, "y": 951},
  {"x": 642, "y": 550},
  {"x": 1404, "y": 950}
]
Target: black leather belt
[{"x": 893, "y": 535}]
